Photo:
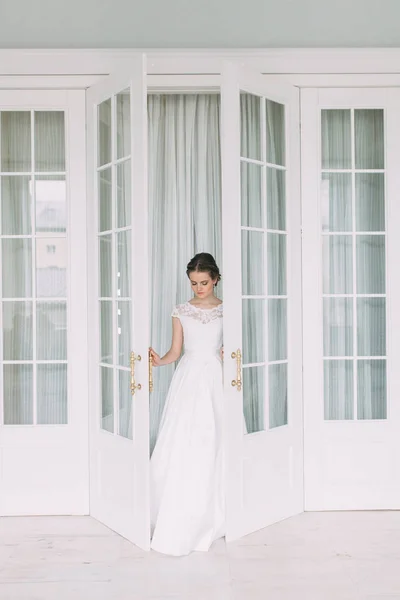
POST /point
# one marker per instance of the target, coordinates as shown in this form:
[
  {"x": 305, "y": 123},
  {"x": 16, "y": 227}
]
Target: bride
[{"x": 187, "y": 499}]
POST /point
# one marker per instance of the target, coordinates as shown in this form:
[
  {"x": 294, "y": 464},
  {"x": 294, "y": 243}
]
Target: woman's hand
[{"x": 156, "y": 358}]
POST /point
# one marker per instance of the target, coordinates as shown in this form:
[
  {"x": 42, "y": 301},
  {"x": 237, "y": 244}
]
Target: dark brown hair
[{"x": 204, "y": 263}]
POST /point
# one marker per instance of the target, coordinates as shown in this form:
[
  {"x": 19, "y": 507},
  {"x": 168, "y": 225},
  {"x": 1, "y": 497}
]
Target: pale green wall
[{"x": 198, "y": 24}]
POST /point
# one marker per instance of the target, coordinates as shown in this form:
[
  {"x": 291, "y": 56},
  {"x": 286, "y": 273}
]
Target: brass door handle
[
  {"x": 238, "y": 381},
  {"x": 150, "y": 372},
  {"x": 134, "y": 386}
]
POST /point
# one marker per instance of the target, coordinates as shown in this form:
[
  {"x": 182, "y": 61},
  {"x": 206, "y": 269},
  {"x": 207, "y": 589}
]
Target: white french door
[
  {"x": 262, "y": 301},
  {"x": 119, "y": 322},
  {"x": 43, "y": 344},
  {"x": 351, "y": 283}
]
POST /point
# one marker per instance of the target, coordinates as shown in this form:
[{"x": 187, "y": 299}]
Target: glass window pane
[
  {"x": 371, "y": 326},
  {"x": 336, "y": 139},
  {"x": 275, "y": 121},
  {"x": 106, "y": 332},
  {"x": 253, "y": 398},
  {"x": 252, "y": 263},
  {"x": 105, "y": 266},
  {"x": 49, "y": 141},
  {"x": 124, "y": 124},
  {"x": 51, "y": 203},
  {"x": 251, "y": 186},
  {"x": 124, "y": 264},
  {"x": 104, "y": 133},
  {"x": 371, "y": 272},
  {"x": 276, "y": 264},
  {"x": 107, "y": 398},
  {"x": 17, "y": 331},
  {"x": 18, "y": 394},
  {"x": 17, "y": 268},
  {"x": 369, "y": 139},
  {"x": 371, "y": 399},
  {"x": 276, "y": 199},
  {"x": 278, "y": 395},
  {"x": 16, "y": 148},
  {"x": 338, "y": 327},
  {"x": 253, "y": 331},
  {"x": 370, "y": 202},
  {"x": 336, "y": 204},
  {"x": 337, "y": 264},
  {"x": 125, "y": 405},
  {"x": 277, "y": 330},
  {"x": 51, "y": 327},
  {"x": 124, "y": 198},
  {"x": 250, "y": 126},
  {"x": 51, "y": 267},
  {"x": 16, "y": 205},
  {"x": 52, "y": 397},
  {"x": 124, "y": 332},
  {"x": 105, "y": 199},
  {"x": 338, "y": 390}
]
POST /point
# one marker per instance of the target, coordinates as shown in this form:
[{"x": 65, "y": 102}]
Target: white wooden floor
[{"x": 322, "y": 556}]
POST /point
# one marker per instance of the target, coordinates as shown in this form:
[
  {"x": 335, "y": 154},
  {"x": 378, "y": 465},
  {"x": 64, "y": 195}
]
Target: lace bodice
[{"x": 202, "y": 328}]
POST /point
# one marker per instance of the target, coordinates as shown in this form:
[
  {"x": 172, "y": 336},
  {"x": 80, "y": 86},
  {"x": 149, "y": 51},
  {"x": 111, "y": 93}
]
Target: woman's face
[{"x": 202, "y": 284}]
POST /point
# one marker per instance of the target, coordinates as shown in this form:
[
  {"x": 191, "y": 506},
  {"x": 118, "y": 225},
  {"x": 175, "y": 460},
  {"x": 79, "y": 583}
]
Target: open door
[
  {"x": 262, "y": 301},
  {"x": 118, "y": 326}
]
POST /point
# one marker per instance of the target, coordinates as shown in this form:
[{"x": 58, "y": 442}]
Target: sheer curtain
[
  {"x": 354, "y": 277},
  {"x": 185, "y": 211}
]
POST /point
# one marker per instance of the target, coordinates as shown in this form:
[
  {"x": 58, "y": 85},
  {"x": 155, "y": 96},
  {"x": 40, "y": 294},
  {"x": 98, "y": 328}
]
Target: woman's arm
[{"x": 176, "y": 346}]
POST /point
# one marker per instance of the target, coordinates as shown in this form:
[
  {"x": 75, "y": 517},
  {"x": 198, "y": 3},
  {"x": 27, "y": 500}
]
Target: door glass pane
[
  {"x": 338, "y": 386},
  {"x": 276, "y": 199},
  {"x": 107, "y": 398},
  {"x": 275, "y": 126},
  {"x": 51, "y": 327},
  {"x": 18, "y": 394},
  {"x": 52, "y": 395},
  {"x": 369, "y": 139},
  {"x": 125, "y": 405},
  {"x": 106, "y": 332},
  {"x": 276, "y": 264},
  {"x": 250, "y": 118},
  {"x": 16, "y": 202},
  {"x": 124, "y": 194},
  {"x": 123, "y": 267},
  {"x": 123, "y": 124},
  {"x": 16, "y": 142},
  {"x": 251, "y": 187},
  {"x": 17, "y": 330},
  {"x": 336, "y": 202},
  {"x": 49, "y": 141},
  {"x": 278, "y": 395},
  {"x": 253, "y": 331},
  {"x": 338, "y": 327},
  {"x": 51, "y": 203},
  {"x": 252, "y": 263},
  {"x": 277, "y": 329},
  {"x": 105, "y": 266},
  {"x": 105, "y": 199},
  {"x": 104, "y": 133},
  {"x": 371, "y": 326},
  {"x": 371, "y": 397},
  {"x": 336, "y": 139},
  {"x": 253, "y": 398},
  {"x": 370, "y": 201},
  {"x": 17, "y": 268},
  {"x": 371, "y": 271},
  {"x": 51, "y": 267},
  {"x": 124, "y": 332},
  {"x": 338, "y": 264}
]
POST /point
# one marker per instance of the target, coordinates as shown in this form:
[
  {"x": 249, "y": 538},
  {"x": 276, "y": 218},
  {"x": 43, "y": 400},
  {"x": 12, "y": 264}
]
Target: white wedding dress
[{"x": 187, "y": 491}]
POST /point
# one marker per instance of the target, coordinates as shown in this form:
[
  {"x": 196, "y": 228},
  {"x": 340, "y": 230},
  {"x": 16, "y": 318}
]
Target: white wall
[{"x": 199, "y": 23}]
